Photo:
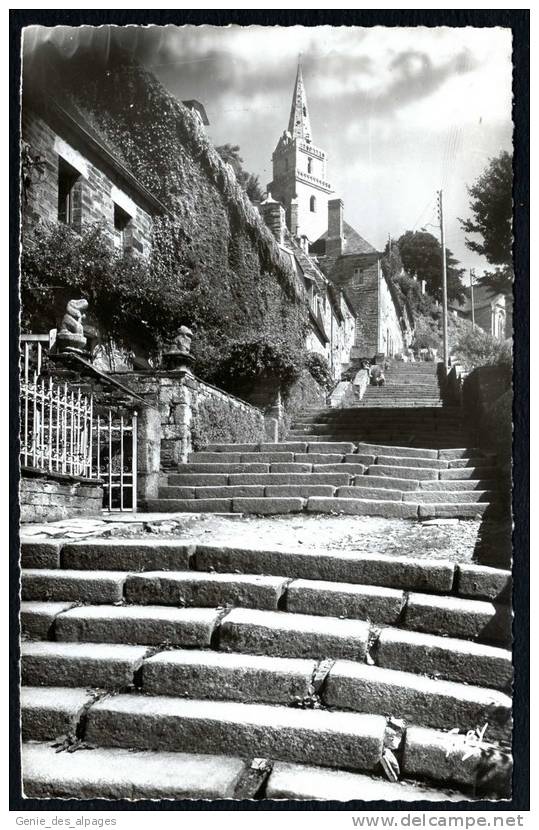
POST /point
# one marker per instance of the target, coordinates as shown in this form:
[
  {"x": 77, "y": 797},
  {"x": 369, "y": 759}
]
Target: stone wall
[
  {"x": 390, "y": 339},
  {"x": 95, "y": 192},
  {"x": 182, "y": 413},
  {"x": 50, "y": 498},
  {"x": 487, "y": 399}
]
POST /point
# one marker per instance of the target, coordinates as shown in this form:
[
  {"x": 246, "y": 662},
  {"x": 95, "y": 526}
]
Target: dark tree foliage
[
  {"x": 421, "y": 256},
  {"x": 491, "y": 205},
  {"x": 249, "y": 181}
]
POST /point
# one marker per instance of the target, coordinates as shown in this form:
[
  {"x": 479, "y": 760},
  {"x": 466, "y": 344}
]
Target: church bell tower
[{"x": 299, "y": 172}]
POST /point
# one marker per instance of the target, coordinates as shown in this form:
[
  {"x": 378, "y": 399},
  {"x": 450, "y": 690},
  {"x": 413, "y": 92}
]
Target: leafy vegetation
[
  {"x": 475, "y": 348},
  {"x": 491, "y": 205},
  {"x": 249, "y": 181},
  {"x": 214, "y": 265},
  {"x": 421, "y": 255},
  {"x": 318, "y": 367}
]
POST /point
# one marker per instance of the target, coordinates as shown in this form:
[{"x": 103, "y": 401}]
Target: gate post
[{"x": 149, "y": 453}]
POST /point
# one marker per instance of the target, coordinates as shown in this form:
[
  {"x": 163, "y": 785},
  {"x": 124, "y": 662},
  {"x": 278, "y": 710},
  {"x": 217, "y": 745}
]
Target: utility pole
[
  {"x": 389, "y": 243},
  {"x": 444, "y": 279},
  {"x": 472, "y": 277}
]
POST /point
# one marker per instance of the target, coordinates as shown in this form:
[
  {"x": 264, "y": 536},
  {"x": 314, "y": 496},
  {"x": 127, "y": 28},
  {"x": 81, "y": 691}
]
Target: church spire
[{"x": 299, "y": 125}]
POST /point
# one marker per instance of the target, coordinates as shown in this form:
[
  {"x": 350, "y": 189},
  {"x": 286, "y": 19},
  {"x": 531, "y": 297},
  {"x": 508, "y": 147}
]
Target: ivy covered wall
[{"x": 222, "y": 272}]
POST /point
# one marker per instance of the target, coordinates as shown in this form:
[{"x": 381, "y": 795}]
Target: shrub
[
  {"x": 317, "y": 365},
  {"x": 248, "y": 361},
  {"x": 475, "y": 348}
]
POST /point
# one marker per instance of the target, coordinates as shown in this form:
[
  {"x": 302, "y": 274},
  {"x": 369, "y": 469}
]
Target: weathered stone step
[
  {"x": 457, "y": 617},
  {"x": 483, "y": 471},
  {"x": 293, "y": 635},
  {"x": 363, "y": 507},
  {"x": 334, "y": 739},
  {"x": 444, "y": 497},
  {"x": 329, "y": 565},
  {"x": 343, "y": 600},
  {"x": 448, "y": 757},
  {"x": 123, "y": 774},
  {"x": 279, "y": 446},
  {"x": 50, "y": 711},
  {"x": 404, "y": 461},
  {"x": 417, "y": 700},
  {"x": 37, "y": 618},
  {"x": 253, "y": 491},
  {"x": 260, "y": 479},
  {"x": 141, "y": 624},
  {"x": 449, "y": 658},
  {"x": 212, "y": 675},
  {"x": 126, "y": 555},
  {"x": 80, "y": 664},
  {"x": 410, "y": 485},
  {"x": 78, "y": 586},
  {"x": 404, "y": 452},
  {"x": 209, "y": 590},
  {"x": 302, "y": 783}
]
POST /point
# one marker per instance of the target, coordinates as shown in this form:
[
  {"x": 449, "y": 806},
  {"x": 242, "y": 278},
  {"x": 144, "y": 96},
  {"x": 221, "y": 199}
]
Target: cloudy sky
[{"x": 400, "y": 111}]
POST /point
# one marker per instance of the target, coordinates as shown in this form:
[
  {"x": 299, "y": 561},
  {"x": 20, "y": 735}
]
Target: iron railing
[
  {"x": 64, "y": 431},
  {"x": 56, "y": 428}
]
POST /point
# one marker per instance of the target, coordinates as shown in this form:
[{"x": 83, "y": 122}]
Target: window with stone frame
[
  {"x": 123, "y": 224},
  {"x": 309, "y": 165},
  {"x": 69, "y": 196},
  {"x": 312, "y": 204}
]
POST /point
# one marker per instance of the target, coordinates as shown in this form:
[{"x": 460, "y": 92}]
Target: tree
[
  {"x": 249, "y": 181},
  {"x": 491, "y": 205},
  {"x": 421, "y": 256}
]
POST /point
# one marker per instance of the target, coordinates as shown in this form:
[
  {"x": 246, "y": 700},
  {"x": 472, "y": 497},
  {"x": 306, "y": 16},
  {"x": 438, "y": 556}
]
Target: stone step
[
  {"x": 403, "y": 452},
  {"x": 404, "y": 461},
  {"x": 77, "y": 586},
  {"x": 212, "y": 675},
  {"x": 194, "y": 467},
  {"x": 416, "y": 496},
  {"x": 483, "y": 471},
  {"x": 459, "y": 510},
  {"x": 123, "y": 774},
  {"x": 262, "y": 479},
  {"x": 363, "y": 507},
  {"x": 448, "y": 658},
  {"x": 303, "y": 783},
  {"x": 126, "y": 555},
  {"x": 209, "y": 590},
  {"x": 141, "y": 624},
  {"x": 293, "y": 635},
  {"x": 248, "y": 491},
  {"x": 334, "y": 739},
  {"x": 421, "y": 701},
  {"x": 431, "y": 575},
  {"x": 457, "y": 617},
  {"x": 344, "y": 600},
  {"x": 80, "y": 664},
  {"x": 49, "y": 712},
  {"x": 37, "y": 618},
  {"x": 451, "y": 758},
  {"x": 401, "y": 471},
  {"x": 279, "y": 446}
]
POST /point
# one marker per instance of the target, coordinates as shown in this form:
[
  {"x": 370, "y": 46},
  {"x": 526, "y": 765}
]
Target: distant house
[{"x": 492, "y": 310}]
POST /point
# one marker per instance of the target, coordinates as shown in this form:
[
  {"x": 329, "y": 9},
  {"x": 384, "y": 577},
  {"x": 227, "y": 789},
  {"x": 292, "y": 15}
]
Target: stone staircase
[
  {"x": 167, "y": 669},
  {"x": 334, "y": 477},
  {"x": 406, "y": 384}
]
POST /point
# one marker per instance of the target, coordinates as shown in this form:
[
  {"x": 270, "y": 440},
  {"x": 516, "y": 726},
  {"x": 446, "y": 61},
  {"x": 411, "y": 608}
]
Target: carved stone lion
[{"x": 71, "y": 334}]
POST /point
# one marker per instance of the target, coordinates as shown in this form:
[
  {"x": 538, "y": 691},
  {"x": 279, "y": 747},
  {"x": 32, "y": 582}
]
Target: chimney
[
  {"x": 294, "y": 218},
  {"x": 274, "y": 216},
  {"x": 335, "y": 237}
]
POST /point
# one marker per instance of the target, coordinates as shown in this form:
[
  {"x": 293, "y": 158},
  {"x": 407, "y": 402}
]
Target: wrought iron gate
[{"x": 116, "y": 461}]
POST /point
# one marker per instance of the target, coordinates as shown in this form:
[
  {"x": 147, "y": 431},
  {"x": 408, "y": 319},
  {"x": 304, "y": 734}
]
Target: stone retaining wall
[
  {"x": 48, "y": 499},
  {"x": 487, "y": 399},
  {"x": 181, "y": 414}
]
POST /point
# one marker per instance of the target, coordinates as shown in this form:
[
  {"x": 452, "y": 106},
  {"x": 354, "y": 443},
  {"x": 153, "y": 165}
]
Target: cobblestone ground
[{"x": 460, "y": 541}]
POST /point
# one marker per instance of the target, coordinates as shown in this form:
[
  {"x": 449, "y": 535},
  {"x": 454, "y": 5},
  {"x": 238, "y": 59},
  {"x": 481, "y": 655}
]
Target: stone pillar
[
  {"x": 273, "y": 214},
  {"x": 149, "y": 452}
]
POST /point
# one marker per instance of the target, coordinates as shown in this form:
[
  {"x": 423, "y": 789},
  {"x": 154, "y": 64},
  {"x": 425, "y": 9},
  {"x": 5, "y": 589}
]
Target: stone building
[
  {"x": 350, "y": 265},
  {"x": 492, "y": 310},
  {"x": 82, "y": 181},
  {"x": 332, "y": 320}
]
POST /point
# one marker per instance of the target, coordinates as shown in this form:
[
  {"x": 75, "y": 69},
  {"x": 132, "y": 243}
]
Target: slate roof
[{"x": 353, "y": 242}]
